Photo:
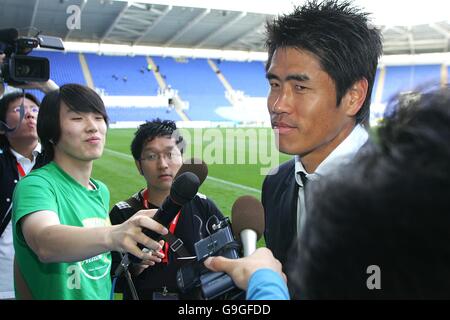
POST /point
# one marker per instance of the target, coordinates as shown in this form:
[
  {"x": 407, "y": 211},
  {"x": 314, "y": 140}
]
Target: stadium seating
[
  {"x": 122, "y": 75},
  {"x": 407, "y": 78},
  {"x": 141, "y": 114},
  {"x": 448, "y": 74},
  {"x": 196, "y": 83},
  {"x": 375, "y": 86},
  {"x": 249, "y": 77}
]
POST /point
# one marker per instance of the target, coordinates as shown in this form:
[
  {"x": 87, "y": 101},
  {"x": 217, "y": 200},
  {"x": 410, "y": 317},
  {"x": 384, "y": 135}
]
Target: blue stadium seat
[
  {"x": 375, "y": 85},
  {"x": 406, "y": 78},
  {"x": 249, "y": 77},
  {"x": 448, "y": 74},
  {"x": 140, "y": 114},
  {"x": 196, "y": 83},
  {"x": 109, "y": 72}
]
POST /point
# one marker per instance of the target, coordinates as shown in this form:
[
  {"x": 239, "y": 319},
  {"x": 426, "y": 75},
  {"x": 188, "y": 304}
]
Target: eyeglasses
[
  {"x": 34, "y": 109},
  {"x": 168, "y": 156}
]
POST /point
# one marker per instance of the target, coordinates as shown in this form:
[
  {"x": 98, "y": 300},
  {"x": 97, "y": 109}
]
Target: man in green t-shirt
[{"x": 61, "y": 230}]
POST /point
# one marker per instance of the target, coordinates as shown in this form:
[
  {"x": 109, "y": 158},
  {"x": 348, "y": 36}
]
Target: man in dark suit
[
  {"x": 321, "y": 68},
  {"x": 378, "y": 227}
]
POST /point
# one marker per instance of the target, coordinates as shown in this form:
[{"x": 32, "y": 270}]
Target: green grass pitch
[{"x": 226, "y": 182}]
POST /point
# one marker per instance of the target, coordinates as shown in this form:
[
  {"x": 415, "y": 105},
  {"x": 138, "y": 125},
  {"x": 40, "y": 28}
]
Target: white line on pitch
[{"x": 129, "y": 157}]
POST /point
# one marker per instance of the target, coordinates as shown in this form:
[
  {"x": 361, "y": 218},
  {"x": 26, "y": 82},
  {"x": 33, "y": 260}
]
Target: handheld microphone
[
  {"x": 196, "y": 166},
  {"x": 183, "y": 190},
  {"x": 247, "y": 216}
]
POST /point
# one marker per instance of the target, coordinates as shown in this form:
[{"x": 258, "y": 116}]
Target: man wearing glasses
[
  {"x": 20, "y": 152},
  {"x": 157, "y": 150}
]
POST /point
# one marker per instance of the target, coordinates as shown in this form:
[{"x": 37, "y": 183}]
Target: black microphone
[
  {"x": 8, "y": 35},
  {"x": 183, "y": 190},
  {"x": 247, "y": 216}
]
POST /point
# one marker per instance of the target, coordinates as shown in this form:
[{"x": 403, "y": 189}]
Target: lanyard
[
  {"x": 20, "y": 170},
  {"x": 172, "y": 226}
]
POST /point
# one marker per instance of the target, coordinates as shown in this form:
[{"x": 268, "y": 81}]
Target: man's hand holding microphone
[{"x": 248, "y": 225}]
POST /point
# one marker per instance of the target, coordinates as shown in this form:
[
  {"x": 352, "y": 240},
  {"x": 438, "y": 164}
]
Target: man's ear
[
  {"x": 139, "y": 167},
  {"x": 354, "y": 98}
]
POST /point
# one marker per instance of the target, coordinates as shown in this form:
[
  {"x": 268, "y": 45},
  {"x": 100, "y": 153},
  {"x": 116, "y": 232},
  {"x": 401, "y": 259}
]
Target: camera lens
[
  {"x": 29, "y": 68},
  {"x": 23, "y": 70}
]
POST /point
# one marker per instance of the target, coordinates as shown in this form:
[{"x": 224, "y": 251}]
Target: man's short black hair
[
  {"x": 339, "y": 35},
  {"x": 389, "y": 208},
  {"x": 152, "y": 129},
  {"x": 78, "y": 98},
  {"x": 5, "y": 102}
]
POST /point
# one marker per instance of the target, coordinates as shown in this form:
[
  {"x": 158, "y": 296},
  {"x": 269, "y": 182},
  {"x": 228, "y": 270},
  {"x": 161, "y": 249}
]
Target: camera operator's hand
[
  {"x": 240, "y": 270},
  {"x": 125, "y": 237}
]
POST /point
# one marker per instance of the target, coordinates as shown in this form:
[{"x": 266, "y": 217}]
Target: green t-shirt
[{"x": 50, "y": 188}]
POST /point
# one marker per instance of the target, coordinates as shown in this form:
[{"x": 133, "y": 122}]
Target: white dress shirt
[{"x": 341, "y": 155}]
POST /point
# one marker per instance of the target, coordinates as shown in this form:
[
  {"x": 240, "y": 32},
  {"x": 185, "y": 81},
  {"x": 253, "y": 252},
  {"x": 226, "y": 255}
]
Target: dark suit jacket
[
  {"x": 279, "y": 198},
  {"x": 9, "y": 176}
]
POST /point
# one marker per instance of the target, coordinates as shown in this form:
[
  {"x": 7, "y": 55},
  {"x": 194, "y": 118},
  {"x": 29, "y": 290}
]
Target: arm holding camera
[
  {"x": 256, "y": 274},
  {"x": 45, "y": 87}
]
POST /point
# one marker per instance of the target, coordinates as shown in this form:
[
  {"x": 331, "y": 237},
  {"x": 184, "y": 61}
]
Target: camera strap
[{"x": 176, "y": 245}]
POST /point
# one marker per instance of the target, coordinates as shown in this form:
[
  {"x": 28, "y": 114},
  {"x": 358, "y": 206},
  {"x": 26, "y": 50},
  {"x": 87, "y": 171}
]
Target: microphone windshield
[
  {"x": 8, "y": 35},
  {"x": 196, "y": 166},
  {"x": 247, "y": 213},
  {"x": 184, "y": 188}
]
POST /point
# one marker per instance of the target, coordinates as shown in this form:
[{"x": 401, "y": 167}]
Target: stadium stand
[
  {"x": 249, "y": 77},
  {"x": 448, "y": 74},
  {"x": 122, "y": 75},
  {"x": 407, "y": 78},
  {"x": 375, "y": 86},
  {"x": 195, "y": 82},
  {"x": 141, "y": 114}
]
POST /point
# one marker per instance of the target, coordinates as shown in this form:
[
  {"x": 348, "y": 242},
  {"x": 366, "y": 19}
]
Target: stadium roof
[{"x": 408, "y": 26}]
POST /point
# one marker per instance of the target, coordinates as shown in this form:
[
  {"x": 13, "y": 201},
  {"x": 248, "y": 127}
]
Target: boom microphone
[
  {"x": 196, "y": 166},
  {"x": 247, "y": 216}
]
